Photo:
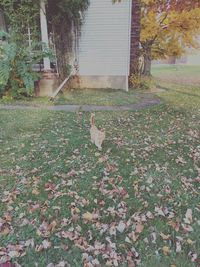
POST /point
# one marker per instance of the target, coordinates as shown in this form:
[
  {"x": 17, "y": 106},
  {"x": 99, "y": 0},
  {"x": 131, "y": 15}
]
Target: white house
[
  {"x": 103, "y": 53},
  {"x": 104, "y": 46}
]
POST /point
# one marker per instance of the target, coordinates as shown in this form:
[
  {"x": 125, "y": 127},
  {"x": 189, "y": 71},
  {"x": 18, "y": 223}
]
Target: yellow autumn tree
[{"x": 168, "y": 28}]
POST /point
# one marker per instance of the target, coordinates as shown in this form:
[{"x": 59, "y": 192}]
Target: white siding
[{"x": 104, "y": 46}]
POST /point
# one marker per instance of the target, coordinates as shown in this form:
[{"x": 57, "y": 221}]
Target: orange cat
[{"x": 97, "y": 136}]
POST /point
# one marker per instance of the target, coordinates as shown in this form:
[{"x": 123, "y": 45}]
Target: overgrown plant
[
  {"x": 16, "y": 66},
  {"x": 21, "y": 15},
  {"x": 65, "y": 18}
]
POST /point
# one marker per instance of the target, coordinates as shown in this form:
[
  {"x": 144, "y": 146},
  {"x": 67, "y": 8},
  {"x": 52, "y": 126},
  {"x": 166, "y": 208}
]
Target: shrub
[
  {"x": 16, "y": 66},
  {"x": 140, "y": 82}
]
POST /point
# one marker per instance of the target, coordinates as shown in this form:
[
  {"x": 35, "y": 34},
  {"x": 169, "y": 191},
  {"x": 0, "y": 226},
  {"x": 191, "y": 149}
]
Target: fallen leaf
[
  {"x": 188, "y": 216},
  {"x": 180, "y": 160},
  {"x": 187, "y": 228},
  {"x": 190, "y": 242},
  {"x": 35, "y": 191},
  {"x": 8, "y": 264},
  {"x": 61, "y": 264},
  {"x": 13, "y": 254},
  {"x": 149, "y": 215},
  {"x": 127, "y": 240},
  {"x": 139, "y": 228},
  {"x": 174, "y": 225},
  {"x": 178, "y": 247},
  {"x": 159, "y": 211},
  {"x": 193, "y": 256},
  {"x": 133, "y": 236},
  {"x": 87, "y": 216},
  {"x": 153, "y": 237},
  {"x": 165, "y": 237},
  {"x": 46, "y": 244},
  {"x": 121, "y": 227},
  {"x": 166, "y": 250}
]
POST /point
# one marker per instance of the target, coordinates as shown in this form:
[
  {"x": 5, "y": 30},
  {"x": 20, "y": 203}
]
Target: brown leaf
[
  {"x": 87, "y": 216},
  {"x": 165, "y": 237},
  {"x": 139, "y": 228},
  {"x": 166, "y": 250}
]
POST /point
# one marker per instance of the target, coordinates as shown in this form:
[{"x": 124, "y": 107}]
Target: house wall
[
  {"x": 193, "y": 58},
  {"x": 104, "y": 46}
]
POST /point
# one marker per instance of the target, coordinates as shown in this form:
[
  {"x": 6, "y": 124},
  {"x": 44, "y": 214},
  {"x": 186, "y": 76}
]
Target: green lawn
[
  {"x": 135, "y": 202},
  {"x": 181, "y": 96},
  {"x": 181, "y": 86},
  {"x": 174, "y": 69},
  {"x": 98, "y": 97},
  {"x": 83, "y": 97},
  {"x": 179, "y": 74}
]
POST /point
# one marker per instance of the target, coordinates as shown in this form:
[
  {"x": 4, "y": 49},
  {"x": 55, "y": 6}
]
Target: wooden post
[
  {"x": 2, "y": 21},
  {"x": 48, "y": 81},
  {"x": 44, "y": 33}
]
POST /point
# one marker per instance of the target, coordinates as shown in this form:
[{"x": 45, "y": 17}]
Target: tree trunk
[
  {"x": 2, "y": 21},
  {"x": 135, "y": 38},
  {"x": 147, "y": 62}
]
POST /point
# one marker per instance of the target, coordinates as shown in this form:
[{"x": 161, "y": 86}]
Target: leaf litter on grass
[{"x": 136, "y": 199}]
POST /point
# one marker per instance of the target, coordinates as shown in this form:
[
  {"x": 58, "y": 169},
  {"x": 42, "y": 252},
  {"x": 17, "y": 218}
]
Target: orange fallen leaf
[
  {"x": 166, "y": 250},
  {"x": 87, "y": 216},
  {"x": 189, "y": 241},
  {"x": 35, "y": 191}
]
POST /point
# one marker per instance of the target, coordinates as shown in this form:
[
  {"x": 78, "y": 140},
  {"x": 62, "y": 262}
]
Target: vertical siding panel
[{"x": 104, "y": 46}]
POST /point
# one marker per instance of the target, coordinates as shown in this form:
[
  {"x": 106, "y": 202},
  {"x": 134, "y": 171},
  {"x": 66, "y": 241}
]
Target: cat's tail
[{"x": 92, "y": 119}]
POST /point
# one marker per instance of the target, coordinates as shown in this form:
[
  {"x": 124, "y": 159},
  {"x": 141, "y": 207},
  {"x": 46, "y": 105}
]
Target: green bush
[{"x": 16, "y": 66}]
